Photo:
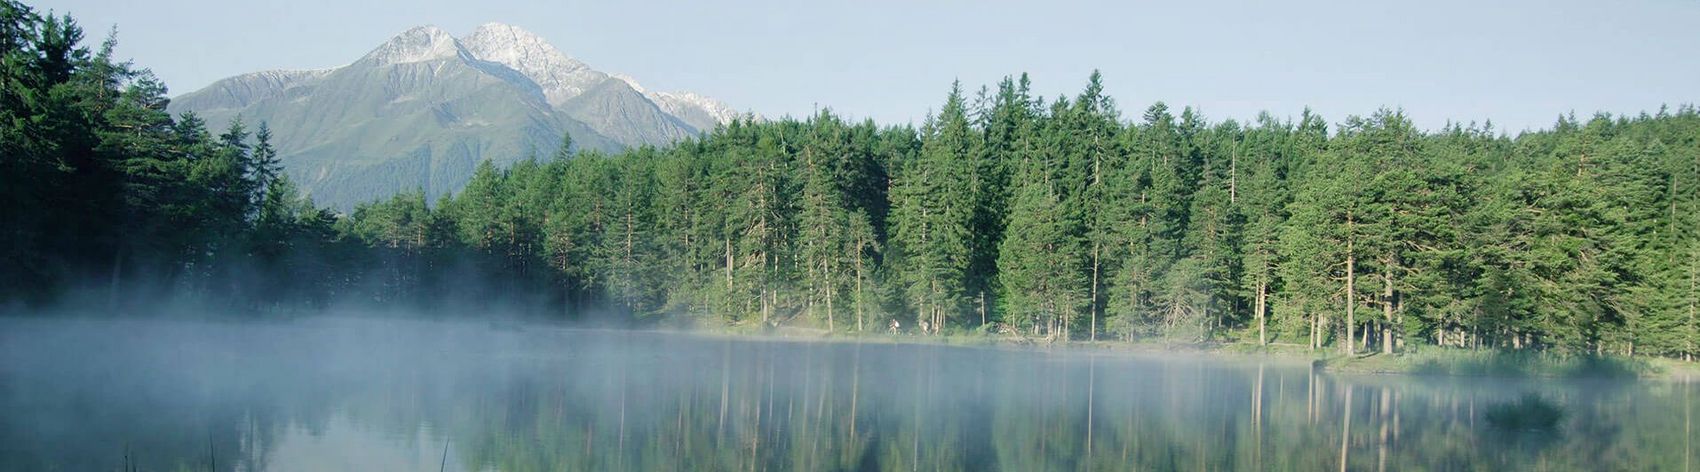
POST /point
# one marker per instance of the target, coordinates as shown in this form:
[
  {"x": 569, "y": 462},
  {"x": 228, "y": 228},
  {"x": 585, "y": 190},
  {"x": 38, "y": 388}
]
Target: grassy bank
[{"x": 1422, "y": 360}]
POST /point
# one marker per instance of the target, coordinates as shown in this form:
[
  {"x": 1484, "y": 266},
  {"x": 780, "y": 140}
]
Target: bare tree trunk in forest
[
  {"x": 811, "y": 293},
  {"x": 1093, "y": 306},
  {"x": 858, "y": 291},
  {"x": 1205, "y": 321},
  {"x": 630, "y": 262},
  {"x": 921, "y": 314},
  {"x": 1387, "y": 310},
  {"x": 1323, "y": 327},
  {"x": 939, "y": 318},
  {"x": 761, "y": 293},
  {"x": 1097, "y": 246},
  {"x": 1398, "y": 314},
  {"x": 1693, "y": 297},
  {"x": 1351, "y": 291},
  {"x": 1066, "y": 322},
  {"x": 729, "y": 263},
  {"x": 932, "y": 311},
  {"x": 982, "y": 308},
  {"x": 1262, "y": 314},
  {"x": 762, "y": 254},
  {"x": 1315, "y": 326}
]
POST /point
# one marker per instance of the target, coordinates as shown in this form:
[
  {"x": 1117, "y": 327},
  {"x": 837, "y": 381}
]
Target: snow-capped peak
[
  {"x": 561, "y": 77},
  {"x": 673, "y": 103},
  {"x": 418, "y": 44},
  {"x": 684, "y": 103}
]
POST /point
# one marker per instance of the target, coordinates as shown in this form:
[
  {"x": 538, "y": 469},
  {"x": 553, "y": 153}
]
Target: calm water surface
[{"x": 372, "y": 395}]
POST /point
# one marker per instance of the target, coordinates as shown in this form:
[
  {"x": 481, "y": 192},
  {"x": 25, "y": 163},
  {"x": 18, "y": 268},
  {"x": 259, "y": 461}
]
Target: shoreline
[{"x": 1423, "y": 361}]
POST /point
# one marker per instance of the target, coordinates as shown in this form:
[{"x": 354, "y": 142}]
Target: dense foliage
[{"x": 1002, "y": 213}]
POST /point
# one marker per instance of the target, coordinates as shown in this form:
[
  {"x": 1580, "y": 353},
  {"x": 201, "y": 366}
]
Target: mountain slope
[
  {"x": 614, "y": 109},
  {"x": 418, "y": 112},
  {"x": 560, "y": 77},
  {"x": 245, "y": 89},
  {"x": 422, "y": 109},
  {"x": 702, "y": 113}
]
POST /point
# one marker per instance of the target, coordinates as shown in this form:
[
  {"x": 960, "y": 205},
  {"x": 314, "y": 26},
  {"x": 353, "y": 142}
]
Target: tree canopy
[{"x": 1003, "y": 212}]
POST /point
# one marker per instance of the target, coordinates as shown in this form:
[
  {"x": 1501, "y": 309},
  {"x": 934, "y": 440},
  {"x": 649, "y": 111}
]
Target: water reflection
[{"x": 374, "y": 395}]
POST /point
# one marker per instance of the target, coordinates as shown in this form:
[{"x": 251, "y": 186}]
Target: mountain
[
  {"x": 618, "y": 111},
  {"x": 421, "y": 110},
  {"x": 696, "y": 110}
]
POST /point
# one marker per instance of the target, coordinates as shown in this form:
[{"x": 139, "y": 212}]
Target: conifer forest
[{"x": 1065, "y": 218}]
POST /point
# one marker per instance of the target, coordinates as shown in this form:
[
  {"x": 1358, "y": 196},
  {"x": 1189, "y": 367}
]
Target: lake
[{"x": 376, "y": 395}]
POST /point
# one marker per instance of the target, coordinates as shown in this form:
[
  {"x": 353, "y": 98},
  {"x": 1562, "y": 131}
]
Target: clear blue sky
[{"x": 1519, "y": 63}]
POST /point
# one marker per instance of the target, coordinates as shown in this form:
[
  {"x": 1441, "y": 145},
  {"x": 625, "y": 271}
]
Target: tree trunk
[
  {"x": 1097, "y": 256},
  {"x": 1262, "y": 313},
  {"x": 982, "y": 308},
  {"x": 858, "y": 291},
  {"x": 1693, "y": 296},
  {"x": 630, "y": 263},
  {"x": 1387, "y": 310},
  {"x": 1093, "y": 306},
  {"x": 1351, "y": 291},
  {"x": 1314, "y": 322}
]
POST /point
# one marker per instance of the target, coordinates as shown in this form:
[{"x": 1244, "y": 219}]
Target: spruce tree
[{"x": 932, "y": 212}]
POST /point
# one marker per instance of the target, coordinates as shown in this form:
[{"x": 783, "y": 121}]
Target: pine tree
[
  {"x": 1040, "y": 256},
  {"x": 267, "y": 166},
  {"x": 932, "y": 209},
  {"x": 1093, "y": 129},
  {"x": 627, "y": 245},
  {"x": 1007, "y": 128},
  {"x": 1262, "y": 195},
  {"x": 1212, "y": 238}
]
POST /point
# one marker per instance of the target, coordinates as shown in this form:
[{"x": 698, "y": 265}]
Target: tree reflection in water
[{"x": 384, "y": 395}]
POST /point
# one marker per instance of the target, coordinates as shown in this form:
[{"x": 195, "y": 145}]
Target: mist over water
[{"x": 384, "y": 394}]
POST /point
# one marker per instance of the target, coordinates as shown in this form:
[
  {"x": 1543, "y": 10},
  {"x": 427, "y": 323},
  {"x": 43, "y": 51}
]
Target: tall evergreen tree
[{"x": 932, "y": 210}]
